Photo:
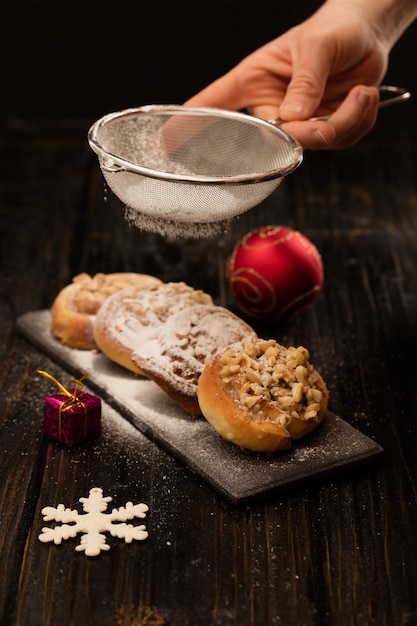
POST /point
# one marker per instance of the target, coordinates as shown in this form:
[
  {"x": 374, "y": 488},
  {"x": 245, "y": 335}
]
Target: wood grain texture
[{"x": 339, "y": 553}]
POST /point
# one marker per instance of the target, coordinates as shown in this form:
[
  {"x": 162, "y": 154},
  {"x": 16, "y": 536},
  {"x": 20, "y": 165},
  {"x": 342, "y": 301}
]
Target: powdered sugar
[
  {"x": 132, "y": 316},
  {"x": 173, "y": 229},
  {"x": 184, "y": 344}
]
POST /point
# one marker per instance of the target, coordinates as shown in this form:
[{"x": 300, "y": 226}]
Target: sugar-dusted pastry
[
  {"x": 131, "y": 317},
  {"x": 261, "y": 395},
  {"x": 75, "y": 307},
  {"x": 177, "y": 353}
]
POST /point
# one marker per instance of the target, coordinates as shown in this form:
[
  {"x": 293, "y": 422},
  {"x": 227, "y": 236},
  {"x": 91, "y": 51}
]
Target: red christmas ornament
[{"x": 274, "y": 273}]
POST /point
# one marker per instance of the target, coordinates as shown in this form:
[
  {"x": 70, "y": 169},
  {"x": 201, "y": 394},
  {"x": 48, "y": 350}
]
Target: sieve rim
[{"x": 111, "y": 162}]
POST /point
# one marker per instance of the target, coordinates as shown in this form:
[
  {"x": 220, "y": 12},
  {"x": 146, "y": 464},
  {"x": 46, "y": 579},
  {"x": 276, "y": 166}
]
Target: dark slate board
[{"x": 240, "y": 476}]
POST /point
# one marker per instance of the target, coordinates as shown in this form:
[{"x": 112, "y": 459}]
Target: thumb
[{"x": 306, "y": 87}]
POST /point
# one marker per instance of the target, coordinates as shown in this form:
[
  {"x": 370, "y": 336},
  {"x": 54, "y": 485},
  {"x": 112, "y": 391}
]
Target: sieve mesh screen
[{"x": 191, "y": 165}]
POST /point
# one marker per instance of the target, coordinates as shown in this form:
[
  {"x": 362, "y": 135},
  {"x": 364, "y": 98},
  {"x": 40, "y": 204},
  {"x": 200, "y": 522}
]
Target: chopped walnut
[{"x": 258, "y": 371}]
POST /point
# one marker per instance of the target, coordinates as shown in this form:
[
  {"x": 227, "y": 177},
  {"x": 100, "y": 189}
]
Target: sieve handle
[
  {"x": 392, "y": 95},
  {"x": 110, "y": 166},
  {"x": 389, "y": 94}
]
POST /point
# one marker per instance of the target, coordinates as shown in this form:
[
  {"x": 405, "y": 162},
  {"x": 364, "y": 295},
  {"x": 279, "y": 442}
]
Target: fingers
[
  {"x": 346, "y": 126},
  {"x": 351, "y": 121},
  {"x": 311, "y": 68},
  {"x": 356, "y": 116}
]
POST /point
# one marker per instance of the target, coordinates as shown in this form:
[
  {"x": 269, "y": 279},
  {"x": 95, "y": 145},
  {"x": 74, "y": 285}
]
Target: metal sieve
[
  {"x": 187, "y": 171},
  {"x": 191, "y": 165}
]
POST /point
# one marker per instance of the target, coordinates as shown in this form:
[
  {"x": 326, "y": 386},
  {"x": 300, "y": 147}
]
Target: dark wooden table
[{"x": 341, "y": 551}]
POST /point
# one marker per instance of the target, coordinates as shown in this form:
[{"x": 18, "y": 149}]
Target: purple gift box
[
  {"x": 71, "y": 416},
  {"x": 72, "y": 419}
]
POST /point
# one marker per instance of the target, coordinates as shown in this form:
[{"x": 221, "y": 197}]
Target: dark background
[{"x": 85, "y": 59}]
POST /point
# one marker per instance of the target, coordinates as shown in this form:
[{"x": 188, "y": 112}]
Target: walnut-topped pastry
[{"x": 260, "y": 395}]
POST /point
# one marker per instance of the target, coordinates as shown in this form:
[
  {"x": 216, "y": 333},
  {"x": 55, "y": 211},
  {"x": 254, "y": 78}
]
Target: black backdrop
[{"x": 84, "y": 59}]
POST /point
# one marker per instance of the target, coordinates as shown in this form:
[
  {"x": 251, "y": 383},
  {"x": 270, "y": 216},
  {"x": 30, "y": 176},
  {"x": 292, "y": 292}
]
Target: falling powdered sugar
[{"x": 174, "y": 229}]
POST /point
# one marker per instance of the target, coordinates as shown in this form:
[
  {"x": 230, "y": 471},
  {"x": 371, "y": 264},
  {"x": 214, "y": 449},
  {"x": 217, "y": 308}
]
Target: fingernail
[
  {"x": 364, "y": 97},
  {"x": 292, "y": 106}
]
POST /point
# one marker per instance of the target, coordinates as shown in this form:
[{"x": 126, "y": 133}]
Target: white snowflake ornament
[{"x": 93, "y": 523}]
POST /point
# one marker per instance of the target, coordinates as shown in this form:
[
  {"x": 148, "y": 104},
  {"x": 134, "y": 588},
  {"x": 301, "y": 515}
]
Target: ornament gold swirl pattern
[
  {"x": 267, "y": 234},
  {"x": 255, "y": 290}
]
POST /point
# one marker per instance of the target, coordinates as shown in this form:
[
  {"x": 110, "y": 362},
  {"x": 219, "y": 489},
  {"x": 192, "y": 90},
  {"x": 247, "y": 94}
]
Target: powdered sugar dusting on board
[{"x": 239, "y": 476}]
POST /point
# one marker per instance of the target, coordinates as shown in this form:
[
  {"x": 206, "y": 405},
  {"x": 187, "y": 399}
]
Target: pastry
[
  {"x": 130, "y": 317},
  {"x": 177, "y": 353},
  {"x": 75, "y": 307},
  {"x": 261, "y": 395}
]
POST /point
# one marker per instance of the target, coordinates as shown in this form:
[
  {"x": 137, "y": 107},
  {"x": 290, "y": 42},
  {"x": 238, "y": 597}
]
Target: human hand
[{"x": 323, "y": 66}]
